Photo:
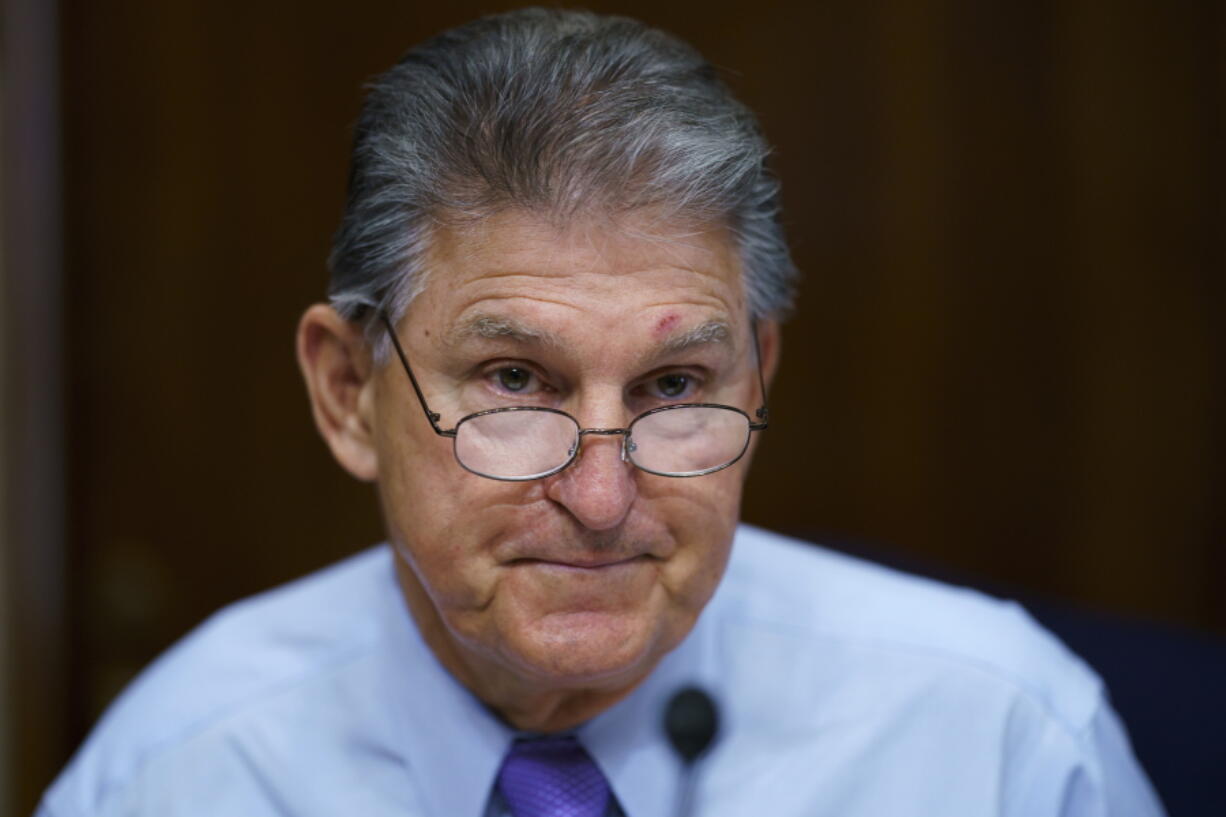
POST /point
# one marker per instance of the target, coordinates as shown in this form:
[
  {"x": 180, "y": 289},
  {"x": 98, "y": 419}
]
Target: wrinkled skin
[{"x": 549, "y": 599}]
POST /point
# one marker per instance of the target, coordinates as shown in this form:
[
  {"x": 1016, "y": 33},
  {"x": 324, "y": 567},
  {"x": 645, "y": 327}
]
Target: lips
[
  {"x": 587, "y": 552},
  {"x": 583, "y": 561},
  {"x": 582, "y": 549}
]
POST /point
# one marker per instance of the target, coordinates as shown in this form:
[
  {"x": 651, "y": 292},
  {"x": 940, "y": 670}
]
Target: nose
[{"x": 599, "y": 488}]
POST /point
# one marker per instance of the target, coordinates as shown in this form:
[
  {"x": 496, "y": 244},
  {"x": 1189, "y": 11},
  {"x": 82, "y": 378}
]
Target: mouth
[{"x": 593, "y": 562}]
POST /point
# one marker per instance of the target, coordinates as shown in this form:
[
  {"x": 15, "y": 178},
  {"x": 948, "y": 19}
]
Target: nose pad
[
  {"x": 625, "y": 448},
  {"x": 589, "y": 437}
]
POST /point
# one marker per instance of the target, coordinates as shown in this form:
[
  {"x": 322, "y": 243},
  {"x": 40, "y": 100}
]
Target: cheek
[
  {"x": 446, "y": 524},
  {"x": 696, "y": 506},
  {"x": 701, "y": 515},
  {"x": 427, "y": 513}
]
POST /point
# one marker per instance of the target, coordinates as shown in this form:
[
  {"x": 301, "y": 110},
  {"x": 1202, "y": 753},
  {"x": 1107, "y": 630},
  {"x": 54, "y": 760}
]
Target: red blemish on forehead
[{"x": 667, "y": 323}]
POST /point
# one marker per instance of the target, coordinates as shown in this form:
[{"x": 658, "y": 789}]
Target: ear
[
  {"x": 769, "y": 340},
  {"x": 336, "y": 364}
]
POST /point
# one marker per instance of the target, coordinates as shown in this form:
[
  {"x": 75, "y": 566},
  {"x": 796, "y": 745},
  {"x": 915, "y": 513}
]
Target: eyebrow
[
  {"x": 707, "y": 332},
  {"x": 489, "y": 327}
]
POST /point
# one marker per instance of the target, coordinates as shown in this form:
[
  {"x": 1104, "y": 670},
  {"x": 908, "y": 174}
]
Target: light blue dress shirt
[{"x": 844, "y": 689}]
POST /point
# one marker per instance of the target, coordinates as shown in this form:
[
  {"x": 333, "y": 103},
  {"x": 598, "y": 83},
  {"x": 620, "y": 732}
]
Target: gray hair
[{"x": 558, "y": 113}]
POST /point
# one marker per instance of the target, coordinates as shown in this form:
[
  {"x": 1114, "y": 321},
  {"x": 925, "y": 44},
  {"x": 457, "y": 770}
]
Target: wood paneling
[{"x": 34, "y": 605}]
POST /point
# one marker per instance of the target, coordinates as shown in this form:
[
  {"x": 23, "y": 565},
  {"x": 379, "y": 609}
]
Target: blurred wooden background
[{"x": 1008, "y": 359}]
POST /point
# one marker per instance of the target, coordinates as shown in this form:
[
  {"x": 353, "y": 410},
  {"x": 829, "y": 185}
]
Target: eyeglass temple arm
[
  {"x": 432, "y": 416},
  {"x": 762, "y": 412}
]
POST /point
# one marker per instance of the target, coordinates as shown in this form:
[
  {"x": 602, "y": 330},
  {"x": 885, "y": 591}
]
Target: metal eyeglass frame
[{"x": 433, "y": 418}]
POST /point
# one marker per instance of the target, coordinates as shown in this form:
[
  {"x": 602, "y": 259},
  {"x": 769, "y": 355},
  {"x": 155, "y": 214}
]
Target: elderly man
[{"x": 553, "y": 317}]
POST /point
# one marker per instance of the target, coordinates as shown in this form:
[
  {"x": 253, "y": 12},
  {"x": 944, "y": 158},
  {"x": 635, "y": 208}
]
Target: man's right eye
[{"x": 514, "y": 378}]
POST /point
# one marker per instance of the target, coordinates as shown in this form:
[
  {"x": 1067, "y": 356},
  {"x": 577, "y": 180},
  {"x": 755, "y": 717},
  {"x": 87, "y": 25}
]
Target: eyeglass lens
[
  {"x": 528, "y": 444},
  {"x": 516, "y": 444},
  {"x": 688, "y": 440}
]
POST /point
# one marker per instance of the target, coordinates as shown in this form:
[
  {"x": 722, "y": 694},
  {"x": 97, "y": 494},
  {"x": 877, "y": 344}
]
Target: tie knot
[{"x": 552, "y": 777}]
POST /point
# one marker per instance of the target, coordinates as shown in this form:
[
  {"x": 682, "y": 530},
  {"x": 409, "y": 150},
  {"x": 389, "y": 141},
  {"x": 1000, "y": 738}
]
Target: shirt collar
[{"x": 453, "y": 745}]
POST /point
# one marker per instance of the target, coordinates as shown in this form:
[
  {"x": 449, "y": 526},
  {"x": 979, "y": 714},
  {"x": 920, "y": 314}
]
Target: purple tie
[{"x": 552, "y": 777}]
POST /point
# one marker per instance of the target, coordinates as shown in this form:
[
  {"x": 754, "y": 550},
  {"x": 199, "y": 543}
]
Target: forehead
[{"x": 597, "y": 273}]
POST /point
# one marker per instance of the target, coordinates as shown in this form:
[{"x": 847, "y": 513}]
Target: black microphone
[{"x": 691, "y": 722}]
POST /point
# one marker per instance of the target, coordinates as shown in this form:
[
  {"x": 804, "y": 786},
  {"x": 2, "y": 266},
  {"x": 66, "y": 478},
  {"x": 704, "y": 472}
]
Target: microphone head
[{"x": 691, "y": 721}]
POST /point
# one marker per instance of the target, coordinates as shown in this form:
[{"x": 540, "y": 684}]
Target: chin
[{"x": 590, "y": 649}]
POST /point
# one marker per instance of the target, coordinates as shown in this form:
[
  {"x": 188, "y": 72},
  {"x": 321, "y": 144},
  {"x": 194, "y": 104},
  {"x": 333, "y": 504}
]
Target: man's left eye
[{"x": 673, "y": 385}]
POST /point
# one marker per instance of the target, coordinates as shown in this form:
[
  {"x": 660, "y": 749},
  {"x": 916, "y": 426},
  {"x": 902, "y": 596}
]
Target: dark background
[{"x": 1007, "y": 364}]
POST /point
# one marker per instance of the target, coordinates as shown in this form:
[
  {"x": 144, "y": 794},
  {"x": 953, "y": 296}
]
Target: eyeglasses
[{"x": 520, "y": 443}]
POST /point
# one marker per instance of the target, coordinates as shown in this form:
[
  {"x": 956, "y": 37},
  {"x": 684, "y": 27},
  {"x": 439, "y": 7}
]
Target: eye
[
  {"x": 673, "y": 385},
  {"x": 514, "y": 378}
]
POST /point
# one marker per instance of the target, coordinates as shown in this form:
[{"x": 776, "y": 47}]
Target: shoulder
[
  {"x": 228, "y": 670},
  {"x": 800, "y": 593},
  {"x": 929, "y": 689}
]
